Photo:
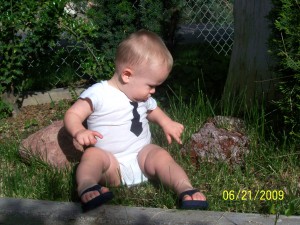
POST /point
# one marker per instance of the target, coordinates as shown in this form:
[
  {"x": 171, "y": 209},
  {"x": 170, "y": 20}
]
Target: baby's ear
[{"x": 126, "y": 75}]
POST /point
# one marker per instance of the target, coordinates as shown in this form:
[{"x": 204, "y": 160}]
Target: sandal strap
[
  {"x": 96, "y": 187},
  {"x": 191, "y": 204},
  {"x": 189, "y": 192}
]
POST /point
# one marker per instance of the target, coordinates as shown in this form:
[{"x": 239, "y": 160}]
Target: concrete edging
[
  {"x": 35, "y": 98},
  {"x": 33, "y": 212},
  {"x": 49, "y": 96}
]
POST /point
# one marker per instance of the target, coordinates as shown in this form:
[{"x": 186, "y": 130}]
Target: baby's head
[
  {"x": 142, "y": 47},
  {"x": 142, "y": 63}
]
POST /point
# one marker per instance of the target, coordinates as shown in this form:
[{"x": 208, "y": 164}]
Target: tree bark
[{"x": 249, "y": 70}]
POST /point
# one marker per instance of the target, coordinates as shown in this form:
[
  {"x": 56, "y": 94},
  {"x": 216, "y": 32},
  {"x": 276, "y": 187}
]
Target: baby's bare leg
[
  {"x": 96, "y": 166},
  {"x": 156, "y": 162}
]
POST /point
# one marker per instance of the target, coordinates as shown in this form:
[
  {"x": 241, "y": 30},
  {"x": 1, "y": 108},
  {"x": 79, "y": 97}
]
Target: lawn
[{"x": 268, "y": 181}]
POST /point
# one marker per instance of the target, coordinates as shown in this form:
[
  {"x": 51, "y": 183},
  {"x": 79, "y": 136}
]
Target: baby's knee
[
  {"x": 97, "y": 156},
  {"x": 94, "y": 154},
  {"x": 112, "y": 173},
  {"x": 158, "y": 155}
]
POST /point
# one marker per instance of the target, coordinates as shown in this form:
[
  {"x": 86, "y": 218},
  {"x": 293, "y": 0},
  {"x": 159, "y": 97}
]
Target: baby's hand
[
  {"x": 87, "y": 137},
  {"x": 174, "y": 130}
]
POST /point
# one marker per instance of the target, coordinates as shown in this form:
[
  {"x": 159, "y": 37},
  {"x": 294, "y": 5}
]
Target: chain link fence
[
  {"x": 206, "y": 21},
  {"x": 210, "y": 21}
]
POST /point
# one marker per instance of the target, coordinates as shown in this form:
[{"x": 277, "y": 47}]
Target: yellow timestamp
[{"x": 250, "y": 195}]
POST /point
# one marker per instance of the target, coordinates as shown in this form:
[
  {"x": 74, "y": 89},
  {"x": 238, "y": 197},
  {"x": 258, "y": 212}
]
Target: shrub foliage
[
  {"x": 28, "y": 28},
  {"x": 285, "y": 46},
  {"x": 37, "y": 36}
]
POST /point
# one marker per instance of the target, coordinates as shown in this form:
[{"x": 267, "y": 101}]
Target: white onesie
[{"x": 113, "y": 113}]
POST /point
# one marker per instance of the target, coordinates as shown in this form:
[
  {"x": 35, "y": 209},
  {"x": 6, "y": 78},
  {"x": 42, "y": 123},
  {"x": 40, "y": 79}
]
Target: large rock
[
  {"x": 53, "y": 145},
  {"x": 220, "y": 138}
]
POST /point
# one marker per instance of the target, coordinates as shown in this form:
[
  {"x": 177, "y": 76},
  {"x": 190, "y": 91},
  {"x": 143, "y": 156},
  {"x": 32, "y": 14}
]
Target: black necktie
[{"x": 136, "y": 125}]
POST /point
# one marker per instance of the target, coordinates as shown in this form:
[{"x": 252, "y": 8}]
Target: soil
[{"x": 32, "y": 118}]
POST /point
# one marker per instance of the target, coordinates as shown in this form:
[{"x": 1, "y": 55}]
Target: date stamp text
[{"x": 252, "y": 195}]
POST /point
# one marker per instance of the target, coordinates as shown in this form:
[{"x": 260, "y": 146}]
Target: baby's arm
[
  {"x": 171, "y": 128},
  {"x": 74, "y": 118}
]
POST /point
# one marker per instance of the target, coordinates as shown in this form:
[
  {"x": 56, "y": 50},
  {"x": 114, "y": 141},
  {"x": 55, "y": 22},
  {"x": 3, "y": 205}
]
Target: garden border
[{"x": 27, "y": 211}]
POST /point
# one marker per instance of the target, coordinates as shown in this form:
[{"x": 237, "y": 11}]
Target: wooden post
[{"x": 249, "y": 70}]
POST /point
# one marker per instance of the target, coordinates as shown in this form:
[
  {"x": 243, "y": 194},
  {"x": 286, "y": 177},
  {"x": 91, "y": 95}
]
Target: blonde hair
[{"x": 142, "y": 46}]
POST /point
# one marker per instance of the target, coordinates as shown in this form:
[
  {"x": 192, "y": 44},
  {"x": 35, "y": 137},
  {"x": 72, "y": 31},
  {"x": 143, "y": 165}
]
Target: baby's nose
[{"x": 152, "y": 91}]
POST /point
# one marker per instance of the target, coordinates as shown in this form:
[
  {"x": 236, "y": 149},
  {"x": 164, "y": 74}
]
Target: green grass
[{"x": 270, "y": 166}]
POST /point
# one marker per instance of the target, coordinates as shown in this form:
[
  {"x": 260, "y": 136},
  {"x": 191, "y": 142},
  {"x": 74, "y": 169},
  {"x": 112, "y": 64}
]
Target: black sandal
[
  {"x": 191, "y": 204},
  {"x": 97, "y": 201}
]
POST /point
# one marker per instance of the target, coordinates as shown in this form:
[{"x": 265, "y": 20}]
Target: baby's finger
[
  {"x": 169, "y": 139},
  {"x": 80, "y": 141},
  {"x": 178, "y": 140},
  {"x": 97, "y": 134},
  {"x": 91, "y": 140}
]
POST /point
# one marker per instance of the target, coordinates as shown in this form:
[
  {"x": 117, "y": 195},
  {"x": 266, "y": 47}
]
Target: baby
[{"x": 118, "y": 134}]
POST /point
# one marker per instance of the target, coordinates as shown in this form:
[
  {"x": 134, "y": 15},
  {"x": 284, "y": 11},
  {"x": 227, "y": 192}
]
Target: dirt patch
[{"x": 31, "y": 119}]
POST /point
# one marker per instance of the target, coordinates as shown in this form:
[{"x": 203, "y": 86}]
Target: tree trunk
[{"x": 249, "y": 70}]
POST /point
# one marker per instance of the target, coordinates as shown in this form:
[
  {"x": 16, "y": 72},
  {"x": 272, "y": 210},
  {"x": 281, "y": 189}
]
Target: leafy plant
[
  {"x": 41, "y": 43},
  {"x": 5, "y": 108},
  {"x": 285, "y": 47},
  {"x": 30, "y": 123},
  {"x": 28, "y": 28}
]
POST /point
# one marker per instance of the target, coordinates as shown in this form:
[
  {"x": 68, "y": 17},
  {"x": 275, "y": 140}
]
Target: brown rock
[
  {"x": 220, "y": 138},
  {"x": 53, "y": 145}
]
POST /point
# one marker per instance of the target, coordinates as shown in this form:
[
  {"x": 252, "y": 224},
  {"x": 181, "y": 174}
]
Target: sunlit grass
[{"x": 270, "y": 166}]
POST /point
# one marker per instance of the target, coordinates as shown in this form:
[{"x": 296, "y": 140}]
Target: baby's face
[{"x": 144, "y": 80}]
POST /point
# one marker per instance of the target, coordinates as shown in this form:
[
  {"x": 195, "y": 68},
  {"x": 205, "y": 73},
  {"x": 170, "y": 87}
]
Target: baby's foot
[
  {"x": 192, "y": 199},
  {"x": 196, "y": 196},
  {"x": 95, "y": 196},
  {"x": 87, "y": 195}
]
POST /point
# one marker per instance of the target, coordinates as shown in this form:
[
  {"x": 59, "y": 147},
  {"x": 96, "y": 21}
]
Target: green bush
[
  {"x": 285, "y": 46},
  {"x": 40, "y": 42},
  {"x": 5, "y": 109},
  {"x": 110, "y": 21},
  {"x": 28, "y": 28}
]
